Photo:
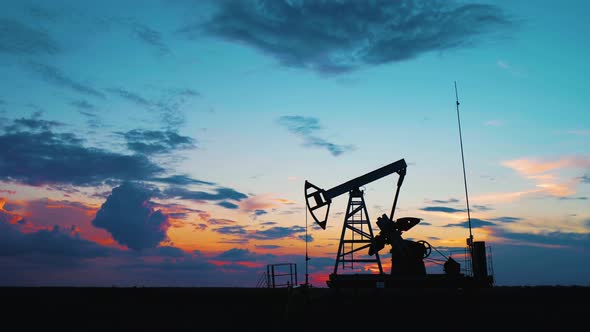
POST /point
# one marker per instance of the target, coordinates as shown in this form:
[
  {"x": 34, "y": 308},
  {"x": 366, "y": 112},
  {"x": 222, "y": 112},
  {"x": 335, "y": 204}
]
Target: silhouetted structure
[
  {"x": 283, "y": 275},
  {"x": 407, "y": 257}
]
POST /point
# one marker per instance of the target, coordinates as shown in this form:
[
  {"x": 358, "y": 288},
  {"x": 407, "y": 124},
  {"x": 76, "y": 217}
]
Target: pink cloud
[
  {"x": 546, "y": 173},
  {"x": 264, "y": 201},
  {"x": 530, "y": 167},
  {"x": 47, "y": 213}
]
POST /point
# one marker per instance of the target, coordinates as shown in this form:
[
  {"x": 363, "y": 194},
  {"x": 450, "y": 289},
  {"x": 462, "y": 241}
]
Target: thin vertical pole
[
  {"x": 306, "y": 256},
  {"x": 463, "y": 161}
]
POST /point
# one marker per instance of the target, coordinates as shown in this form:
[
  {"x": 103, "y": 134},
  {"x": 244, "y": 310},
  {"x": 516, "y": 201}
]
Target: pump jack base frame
[{"x": 389, "y": 281}]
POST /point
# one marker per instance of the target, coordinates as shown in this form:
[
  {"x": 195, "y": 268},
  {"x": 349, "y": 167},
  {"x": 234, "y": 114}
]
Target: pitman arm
[{"x": 316, "y": 197}]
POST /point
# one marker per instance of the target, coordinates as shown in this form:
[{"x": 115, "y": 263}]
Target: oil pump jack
[{"x": 407, "y": 257}]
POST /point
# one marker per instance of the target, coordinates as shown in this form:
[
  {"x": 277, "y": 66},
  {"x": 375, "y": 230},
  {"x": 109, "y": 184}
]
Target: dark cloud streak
[
  {"x": 82, "y": 104},
  {"x": 54, "y": 75},
  {"x": 150, "y": 37},
  {"x": 581, "y": 240},
  {"x": 332, "y": 37},
  {"x": 60, "y": 158},
  {"x": 450, "y": 200},
  {"x": 130, "y": 96},
  {"x": 441, "y": 209},
  {"x": 507, "y": 219},
  {"x": 228, "y": 205},
  {"x": 19, "y": 39},
  {"x": 277, "y": 232},
  {"x": 475, "y": 223},
  {"x": 156, "y": 141},
  {"x": 231, "y": 230},
  {"x": 306, "y": 128},
  {"x": 219, "y": 194},
  {"x": 180, "y": 180},
  {"x": 33, "y": 124}
]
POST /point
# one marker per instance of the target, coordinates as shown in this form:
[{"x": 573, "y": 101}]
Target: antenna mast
[
  {"x": 306, "y": 256},
  {"x": 470, "y": 240}
]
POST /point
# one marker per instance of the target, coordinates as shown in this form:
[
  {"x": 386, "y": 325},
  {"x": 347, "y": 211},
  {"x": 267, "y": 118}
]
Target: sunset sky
[{"x": 167, "y": 143}]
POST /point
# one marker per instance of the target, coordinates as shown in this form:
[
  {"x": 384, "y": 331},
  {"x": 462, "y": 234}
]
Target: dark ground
[{"x": 304, "y": 309}]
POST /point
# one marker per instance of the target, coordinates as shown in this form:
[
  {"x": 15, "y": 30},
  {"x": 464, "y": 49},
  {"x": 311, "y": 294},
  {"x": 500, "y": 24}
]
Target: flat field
[{"x": 304, "y": 309}]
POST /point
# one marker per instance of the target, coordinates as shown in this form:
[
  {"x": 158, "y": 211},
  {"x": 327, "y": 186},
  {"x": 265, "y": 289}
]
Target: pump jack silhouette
[{"x": 407, "y": 257}]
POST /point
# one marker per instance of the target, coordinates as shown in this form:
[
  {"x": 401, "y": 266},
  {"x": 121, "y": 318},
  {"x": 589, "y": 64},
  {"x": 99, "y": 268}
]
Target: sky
[{"x": 167, "y": 143}]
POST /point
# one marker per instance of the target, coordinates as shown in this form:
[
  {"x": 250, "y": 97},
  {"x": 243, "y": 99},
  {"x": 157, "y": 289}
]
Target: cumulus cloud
[
  {"x": 127, "y": 215},
  {"x": 307, "y": 128},
  {"x": 332, "y": 37}
]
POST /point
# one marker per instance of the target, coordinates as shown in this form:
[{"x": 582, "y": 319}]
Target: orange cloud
[
  {"x": 529, "y": 167},
  {"x": 6, "y": 215},
  {"x": 284, "y": 201},
  {"x": 545, "y": 174}
]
